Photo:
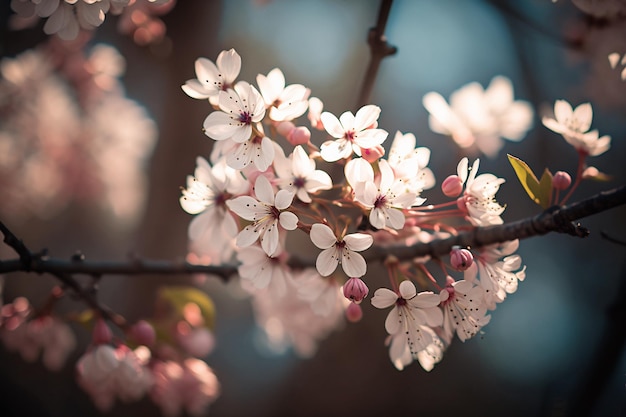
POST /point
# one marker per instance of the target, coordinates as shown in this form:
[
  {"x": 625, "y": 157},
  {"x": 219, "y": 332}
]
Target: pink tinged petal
[
  {"x": 347, "y": 121},
  {"x": 562, "y": 111},
  {"x": 366, "y": 116},
  {"x": 383, "y": 298},
  {"x": 327, "y": 261},
  {"x": 377, "y": 218},
  {"x": 288, "y": 220},
  {"x": 332, "y": 125},
  {"x": 322, "y": 236},
  {"x": 269, "y": 240},
  {"x": 332, "y": 151},
  {"x": 368, "y": 194},
  {"x": 353, "y": 264},
  {"x": 584, "y": 115},
  {"x": 404, "y": 200},
  {"x": 229, "y": 63},
  {"x": 263, "y": 190},
  {"x": 393, "y": 321},
  {"x": 407, "y": 290},
  {"x": 386, "y": 175},
  {"x": 370, "y": 138},
  {"x": 247, "y": 207},
  {"x": 433, "y": 316},
  {"x": 358, "y": 170},
  {"x": 461, "y": 169},
  {"x": 318, "y": 180},
  {"x": 425, "y": 299},
  {"x": 219, "y": 126},
  {"x": 399, "y": 352},
  {"x": 284, "y": 199},
  {"x": 229, "y": 226},
  {"x": 358, "y": 242},
  {"x": 303, "y": 195},
  {"x": 263, "y": 156},
  {"x": 301, "y": 164},
  {"x": 553, "y": 125},
  {"x": 241, "y": 133},
  {"x": 394, "y": 218},
  {"x": 247, "y": 236}
]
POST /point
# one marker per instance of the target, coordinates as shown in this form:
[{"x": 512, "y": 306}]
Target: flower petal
[
  {"x": 288, "y": 220},
  {"x": 353, "y": 264},
  {"x": 383, "y": 298},
  {"x": 407, "y": 290},
  {"x": 322, "y": 236},
  {"x": 263, "y": 190},
  {"x": 358, "y": 241},
  {"x": 327, "y": 261}
]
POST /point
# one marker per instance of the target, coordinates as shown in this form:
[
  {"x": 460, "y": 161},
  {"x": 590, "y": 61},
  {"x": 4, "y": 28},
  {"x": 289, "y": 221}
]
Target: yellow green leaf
[
  {"x": 538, "y": 191},
  {"x": 191, "y": 304}
]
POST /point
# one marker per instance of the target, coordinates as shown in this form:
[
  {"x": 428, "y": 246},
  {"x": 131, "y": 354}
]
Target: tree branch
[
  {"x": 556, "y": 219},
  {"x": 379, "y": 48}
]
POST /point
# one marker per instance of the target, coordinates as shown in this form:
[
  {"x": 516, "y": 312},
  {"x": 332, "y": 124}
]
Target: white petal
[
  {"x": 377, "y": 218},
  {"x": 327, "y": 261},
  {"x": 284, "y": 199},
  {"x": 383, "y": 298},
  {"x": 247, "y": 236},
  {"x": 353, "y": 264},
  {"x": 218, "y": 125},
  {"x": 269, "y": 240},
  {"x": 229, "y": 62},
  {"x": 247, "y": 207},
  {"x": 584, "y": 114},
  {"x": 562, "y": 111},
  {"x": 263, "y": 190},
  {"x": 395, "y": 218},
  {"x": 322, "y": 236},
  {"x": 288, "y": 220},
  {"x": 194, "y": 89},
  {"x": 334, "y": 150},
  {"x": 461, "y": 169},
  {"x": 332, "y": 125},
  {"x": 358, "y": 241},
  {"x": 407, "y": 290},
  {"x": 366, "y": 116},
  {"x": 393, "y": 321}
]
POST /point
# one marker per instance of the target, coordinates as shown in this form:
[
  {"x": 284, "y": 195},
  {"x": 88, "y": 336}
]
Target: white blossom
[
  {"x": 212, "y": 78},
  {"x": 284, "y": 103},
  {"x": 298, "y": 175},
  {"x": 340, "y": 250},
  {"x": 464, "y": 310}
]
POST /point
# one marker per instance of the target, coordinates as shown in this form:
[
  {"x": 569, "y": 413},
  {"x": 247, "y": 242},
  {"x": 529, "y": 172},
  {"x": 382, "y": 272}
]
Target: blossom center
[
  {"x": 350, "y": 135},
  {"x": 245, "y": 117},
  {"x": 299, "y": 182},
  {"x": 274, "y": 212},
  {"x": 381, "y": 201},
  {"x": 401, "y": 301}
]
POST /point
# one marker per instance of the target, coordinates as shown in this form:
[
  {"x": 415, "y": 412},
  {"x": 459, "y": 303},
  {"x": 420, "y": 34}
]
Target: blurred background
[{"x": 120, "y": 198}]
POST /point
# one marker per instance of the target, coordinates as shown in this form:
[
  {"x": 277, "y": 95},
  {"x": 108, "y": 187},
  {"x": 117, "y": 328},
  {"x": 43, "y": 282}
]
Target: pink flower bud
[
  {"x": 143, "y": 333},
  {"x": 101, "y": 333},
  {"x": 285, "y": 128},
  {"x": 299, "y": 136},
  {"x": 373, "y": 154},
  {"x": 461, "y": 259},
  {"x": 452, "y": 186},
  {"x": 561, "y": 180},
  {"x": 354, "y": 312},
  {"x": 355, "y": 290}
]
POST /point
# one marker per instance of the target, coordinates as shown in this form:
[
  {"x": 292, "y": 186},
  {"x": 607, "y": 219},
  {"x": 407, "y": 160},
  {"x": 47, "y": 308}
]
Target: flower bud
[
  {"x": 143, "y": 333},
  {"x": 285, "y": 128},
  {"x": 373, "y": 154},
  {"x": 354, "y": 312},
  {"x": 561, "y": 180},
  {"x": 461, "y": 259},
  {"x": 452, "y": 186},
  {"x": 355, "y": 290},
  {"x": 299, "y": 136},
  {"x": 101, "y": 333}
]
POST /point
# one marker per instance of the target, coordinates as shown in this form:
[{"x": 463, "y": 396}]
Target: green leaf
[
  {"x": 187, "y": 300},
  {"x": 545, "y": 189},
  {"x": 538, "y": 191}
]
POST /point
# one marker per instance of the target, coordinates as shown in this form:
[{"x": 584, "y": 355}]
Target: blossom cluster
[{"x": 253, "y": 197}]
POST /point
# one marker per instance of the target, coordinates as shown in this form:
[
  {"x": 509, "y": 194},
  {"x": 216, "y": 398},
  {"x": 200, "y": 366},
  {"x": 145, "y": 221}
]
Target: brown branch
[
  {"x": 557, "y": 219},
  {"x": 379, "y": 49}
]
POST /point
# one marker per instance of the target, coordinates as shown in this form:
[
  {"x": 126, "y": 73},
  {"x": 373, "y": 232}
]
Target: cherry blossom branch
[
  {"x": 556, "y": 219},
  {"x": 379, "y": 48}
]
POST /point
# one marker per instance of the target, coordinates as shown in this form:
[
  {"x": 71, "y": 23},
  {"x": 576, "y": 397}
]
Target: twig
[
  {"x": 557, "y": 219},
  {"x": 379, "y": 48}
]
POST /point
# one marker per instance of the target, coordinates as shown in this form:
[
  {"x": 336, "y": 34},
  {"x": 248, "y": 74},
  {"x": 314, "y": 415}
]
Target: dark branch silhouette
[{"x": 555, "y": 219}]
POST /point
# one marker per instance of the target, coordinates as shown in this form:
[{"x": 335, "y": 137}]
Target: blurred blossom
[
  {"x": 190, "y": 386},
  {"x": 66, "y": 18},
  {"x": 288, "y": 321},
  {"x": 68, "y": 133},
  {"x": 608, "y": 9},
  {"x": 478, "y": 119}
]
